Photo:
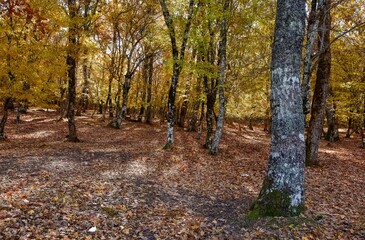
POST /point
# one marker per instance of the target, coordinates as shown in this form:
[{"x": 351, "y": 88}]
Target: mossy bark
[{"x": 282, "y": 193}]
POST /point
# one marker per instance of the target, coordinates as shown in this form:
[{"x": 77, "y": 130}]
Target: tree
[
  {"x": 71, "y": 72},
  {"x": 282, "y": 193},
  {"x": 222, "y": 54},
  {"x": 321, "y": 87},
  {"x": 178, "y": 58},
  {"x": 134, "y": 29},
  {"x": 312, "y": 34},
  {"x": 29, "y": 57}
]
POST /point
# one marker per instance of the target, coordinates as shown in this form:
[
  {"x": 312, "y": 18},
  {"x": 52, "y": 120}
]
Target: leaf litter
[{"x": 120, "y": 184}]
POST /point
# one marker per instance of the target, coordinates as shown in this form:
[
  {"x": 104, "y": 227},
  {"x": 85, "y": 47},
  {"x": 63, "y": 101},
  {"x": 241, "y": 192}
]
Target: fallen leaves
[{"x": 121, "y": 185}]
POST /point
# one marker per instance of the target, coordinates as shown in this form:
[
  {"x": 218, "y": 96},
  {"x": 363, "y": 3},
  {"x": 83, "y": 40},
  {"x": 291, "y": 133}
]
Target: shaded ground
[{"x": 125, "y": 185}]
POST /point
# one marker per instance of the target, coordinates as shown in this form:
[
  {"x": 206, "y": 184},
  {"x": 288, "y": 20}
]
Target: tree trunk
[
  {"x": 171, "y": 106},
  {"x": 312, "y": 33},
  {"x": 121, "y": 111},
  {"x": 194, "y": 118},
  {"x": 4, "y": 119},
  {"x": 149, "y": 90},
  {"x": 363, "y": 115},
  {"x": 332, "y": 134},
  {"x": 144, "y": 87},
  {"x": 209, "y": 116},
  {"x": 177, "y": 66},
  {"x": 321, "y": 88},
  {"x": 222, "y": 76},
  {"x": 198, "y": 90},
  {"x": 282, "y": 193},
  {"x": 184, "y": 105},
  {"x": 71, "y": 63},
  {"x": 349, "y": 125},
  {"x": 84, "y": 100},
  {"x": 267, "y": 121}
]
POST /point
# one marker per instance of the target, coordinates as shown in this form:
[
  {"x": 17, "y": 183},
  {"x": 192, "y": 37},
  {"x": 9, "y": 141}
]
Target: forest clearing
[{"x": 125, "y": 185}]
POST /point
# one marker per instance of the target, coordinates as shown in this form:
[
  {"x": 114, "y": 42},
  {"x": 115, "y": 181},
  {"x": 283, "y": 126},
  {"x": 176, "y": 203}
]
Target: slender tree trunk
[
  {"x": 71, "y": 63},
  {"x": 149, "y": 90},
  {"x": 282, "y": 193},
  {"x": 349, "y": 125},
  {"x": 194, "y": 118},
  {"x": 4, "y": 119},
  {"x": 201, "y": 119},
  {"x": 332, "y": 134},
  {"x": 198, "y": 90},
  {"x": 171, "y": 106},
  {"x": 209, "y": 115},
  {"x": 84, "y": 100},
  {"x": 222, "y": 76},
  {"x": 123, "y": 109},
  {"x": 321, "y": 88},
  {"x": 178, "y": 57},
  {"x": 144, "y": 87},
  {"x": 312, "y": 33},
  {"x": 184, "y": 105}
]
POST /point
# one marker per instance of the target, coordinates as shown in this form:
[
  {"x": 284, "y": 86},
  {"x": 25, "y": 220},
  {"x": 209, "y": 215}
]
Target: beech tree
[
  {"x": 178, "y": 58},
  {"x": 321, "y": 87},
  {"x": 71, "y": 73},
  {"x": 222, "y": 54},
  {"x": 282, "y": 193}
]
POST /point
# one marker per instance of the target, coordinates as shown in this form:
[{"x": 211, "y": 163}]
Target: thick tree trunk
[
  {"x": 222, "y": 76},
  {"x": 71, "y": 63},
  {"x": 321, "y": 88},
  {"x": 267, "y": 120},
  {"x": 282, "y": 193}
]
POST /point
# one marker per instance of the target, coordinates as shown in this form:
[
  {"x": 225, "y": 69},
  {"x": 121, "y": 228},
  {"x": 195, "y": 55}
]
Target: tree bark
[
  {"x": 312, "y": 33},
  {"x": 123, "y": 109},
  {"x": 177, "y": 65},
  {"x": 4, "y": 119},
  {"x": 222, "y": 76},
  {"x": 84, "y": 100},
  {"x": 282, "y": 193},
  {"x": 332, "y": 134},
  {"x": 349, "y": 125},
  {"x": 148, "y": 115},
  {"x": 210, "y": 85},
  {"x": 321, "y": 88},
  {"x": 71, "y": 63}
]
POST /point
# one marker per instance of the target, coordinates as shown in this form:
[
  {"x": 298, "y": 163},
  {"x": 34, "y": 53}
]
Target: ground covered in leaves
[{"x": 120, "y": 184}]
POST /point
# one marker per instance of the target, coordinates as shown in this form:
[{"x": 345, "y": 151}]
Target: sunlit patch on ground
[{"x": 38, "y": 134}]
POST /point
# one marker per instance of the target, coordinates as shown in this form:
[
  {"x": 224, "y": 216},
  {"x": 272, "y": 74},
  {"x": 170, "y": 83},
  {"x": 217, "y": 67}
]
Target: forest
[{"x": 182, "y": 119}]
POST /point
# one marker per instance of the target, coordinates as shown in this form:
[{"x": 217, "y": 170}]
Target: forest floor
[{"x": 120, "y": 184}]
